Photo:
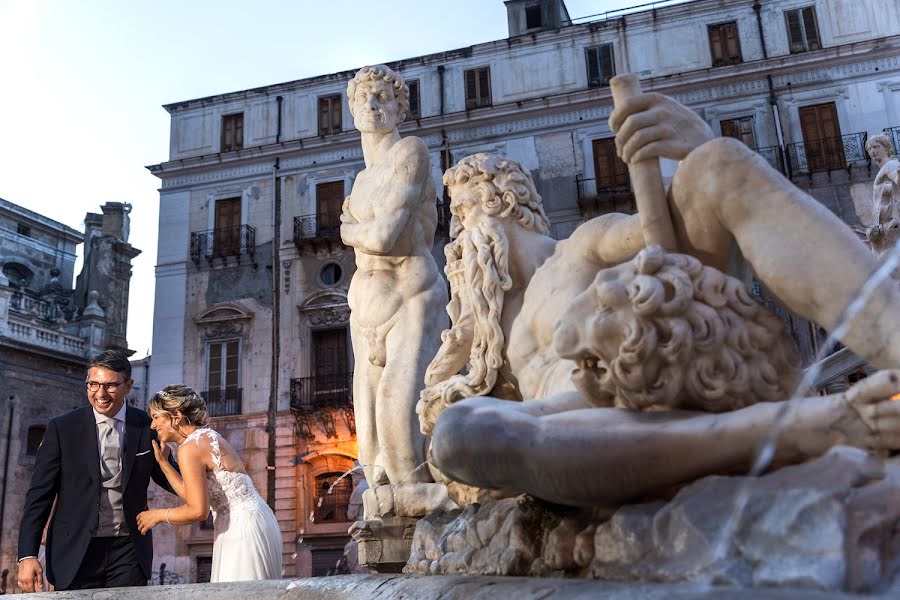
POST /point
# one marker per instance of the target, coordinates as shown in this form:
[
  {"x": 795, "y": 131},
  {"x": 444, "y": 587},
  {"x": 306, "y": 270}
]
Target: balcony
[
  {"x": 827, "y": 155},
  {"x": 318, "y": 231},
  {"x": 604, "y": 196},
  {"x": 223, "y": 243},
  {"x": 894, "y": 134},
  {"x": 316, "y": 400},
  {"x": 223, "y": 402},
  {"x": 25, "y": 305},
  {"x": 774, "y": 156}
]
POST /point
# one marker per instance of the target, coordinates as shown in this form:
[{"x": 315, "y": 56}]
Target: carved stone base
[{"x": 384, "y": 544}]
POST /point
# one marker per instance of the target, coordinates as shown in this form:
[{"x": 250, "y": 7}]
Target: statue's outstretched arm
[{"x": 606, "y": 457}]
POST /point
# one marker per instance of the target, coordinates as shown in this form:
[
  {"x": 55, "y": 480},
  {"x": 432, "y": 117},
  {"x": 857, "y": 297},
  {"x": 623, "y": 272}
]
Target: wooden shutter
[
  {"x": 471, "y": 90},
  {"x": 810, "y": 28},
  {"x": 413, "y": 99},
  {"x": 335, "y": 109},
  {"x": 592, "y": 57},
  {"x": 822, "y": 137},
  {"x": 716, "y": 47},
  {"x": 609, "y": 169},
  {"x": 329, "y": 200},
  {"x": 330, "y": 352},
  {"x": 795, "y": 31},
  {"x": 484, "y": 87},
  {"x": 214, "y": 367},
  {"x": 732, "y": 42},
  {"x": 227, "y": 234},
  {"x": 607, "y": 65}
]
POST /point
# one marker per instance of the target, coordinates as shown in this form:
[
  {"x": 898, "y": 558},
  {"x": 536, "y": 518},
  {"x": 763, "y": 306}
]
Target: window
[
  {"x": 533, "y": 18},
  {"x": 332, "y": 497},
  {"x": 330, "y": 356},
  {"x": 724, "y": 44},
  {"x": 478, "y": 88},
  {"x": 739, "y": 129},
  {"x": 331, "y": 273},
  {"x": 329, "y": 200},
  {"x": 414, "y": 108},
  {"x": 23, "y": 230},
  {"x": 232, "y": 132},
  {"x": 223, "y": 378},
  {"x": 601, "y": 66},
  {"x": 822, "y": 143},
  {"x": 609, "y": 169},
  {"x": 227, "y": 234},
  {"x": 330, "y": 114},
  {"x": 34, "y": 439},
  {"x": 802, "y": 29},
  {"x": 204, "y": 569},
  {"x": 326, "y": 561}
]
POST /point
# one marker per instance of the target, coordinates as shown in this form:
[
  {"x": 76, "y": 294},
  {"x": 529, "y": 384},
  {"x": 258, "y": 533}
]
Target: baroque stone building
[
  {"x": 252, "y": 276},
  {"x": 48, "y": 328}
]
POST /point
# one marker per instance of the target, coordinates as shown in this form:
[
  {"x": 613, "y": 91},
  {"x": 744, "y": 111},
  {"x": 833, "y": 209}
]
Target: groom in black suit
[{"x": 95, "y": 463}]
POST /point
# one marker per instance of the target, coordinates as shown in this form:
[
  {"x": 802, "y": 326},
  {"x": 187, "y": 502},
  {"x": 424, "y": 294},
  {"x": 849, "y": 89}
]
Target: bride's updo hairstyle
[{"x": 179, "y": 397}]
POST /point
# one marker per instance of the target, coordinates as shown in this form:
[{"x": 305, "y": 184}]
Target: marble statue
[
  {"x": 397, "y": 294},
  {"x": 884, "y": 232},
  {"x": 626, "y": 389}
]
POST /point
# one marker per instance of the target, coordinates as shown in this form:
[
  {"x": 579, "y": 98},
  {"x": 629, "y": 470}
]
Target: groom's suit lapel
[
  {"x": 91, "y": 447},
  {"x": 133, "y": 434}
]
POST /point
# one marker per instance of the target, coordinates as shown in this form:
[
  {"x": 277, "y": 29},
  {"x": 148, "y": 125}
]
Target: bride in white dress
[{"x": 247, "y": 543}]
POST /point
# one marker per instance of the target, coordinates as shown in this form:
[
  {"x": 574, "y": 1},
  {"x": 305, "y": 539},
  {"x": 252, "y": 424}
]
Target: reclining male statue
[{"x": 662, "y": 393}]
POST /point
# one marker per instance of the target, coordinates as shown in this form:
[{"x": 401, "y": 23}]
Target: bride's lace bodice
[{"x": 228, "y": 490}]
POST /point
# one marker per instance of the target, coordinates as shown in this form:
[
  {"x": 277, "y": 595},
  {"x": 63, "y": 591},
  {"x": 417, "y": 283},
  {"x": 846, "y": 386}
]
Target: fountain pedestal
[{"x": 384, "y": 537}]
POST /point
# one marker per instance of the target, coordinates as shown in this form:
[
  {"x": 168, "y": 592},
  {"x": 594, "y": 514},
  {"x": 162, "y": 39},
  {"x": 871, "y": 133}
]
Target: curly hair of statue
[
  {"x": 719, "y": 348},
  {"x": 369, "y": 74}
]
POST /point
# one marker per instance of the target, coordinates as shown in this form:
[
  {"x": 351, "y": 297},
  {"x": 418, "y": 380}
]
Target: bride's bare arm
[
  {"x": 172, "y": 476},
  {"x": 192, "y": 458}
]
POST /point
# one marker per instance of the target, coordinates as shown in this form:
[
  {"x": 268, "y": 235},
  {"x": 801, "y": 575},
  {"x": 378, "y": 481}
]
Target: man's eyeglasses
[{"x": 110, "y": 388}]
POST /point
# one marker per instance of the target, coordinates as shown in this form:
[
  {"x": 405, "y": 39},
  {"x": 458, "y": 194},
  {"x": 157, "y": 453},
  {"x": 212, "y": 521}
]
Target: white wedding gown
[{"x": 247, "y": 543}]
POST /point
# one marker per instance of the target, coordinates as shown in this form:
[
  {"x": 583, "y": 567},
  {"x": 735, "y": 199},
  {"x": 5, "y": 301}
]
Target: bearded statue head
[
  {"x": 665, "y": 331},
  {"x": 488, "y": 193}
]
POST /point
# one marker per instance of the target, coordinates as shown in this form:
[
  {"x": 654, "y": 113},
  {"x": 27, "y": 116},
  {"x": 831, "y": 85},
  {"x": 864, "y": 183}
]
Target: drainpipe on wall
[
  {"x": 276, "y": 343},
  {"x": 757, "y": 8}
]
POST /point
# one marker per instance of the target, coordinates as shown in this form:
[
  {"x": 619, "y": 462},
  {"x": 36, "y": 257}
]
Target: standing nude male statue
[
  {"x": 397, "y": 295},
  {"x": 885, "y": 228}
]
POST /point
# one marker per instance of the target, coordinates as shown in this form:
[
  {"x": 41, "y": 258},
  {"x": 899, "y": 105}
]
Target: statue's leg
[
  {"x": 365, "y": 382},
  {"x": 724, "y": 192},
  {"x": 411, "y": 344}
]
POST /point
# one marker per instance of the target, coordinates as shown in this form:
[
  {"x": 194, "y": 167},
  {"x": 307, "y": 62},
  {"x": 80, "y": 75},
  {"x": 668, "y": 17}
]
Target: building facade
[
  {"x": 252, "y": 276},
  {"x": 48, "y": 327}
]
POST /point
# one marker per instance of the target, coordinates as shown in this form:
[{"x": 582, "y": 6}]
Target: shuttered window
[
  {"x": 414, "y": 108},
  {"x": 724, "y": 44},
  {"x": 822, "y": 141},
  {"x": 739, "y": 129},
  {"x": 600, "y": 65},
  {"x": 802, "y": 29},
  {"x": 330, "y": 114},
  {"x": 478, "y": 88},
  {"x": 232, "y": 132}
]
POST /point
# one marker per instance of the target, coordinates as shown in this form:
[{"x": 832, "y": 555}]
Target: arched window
[
  {"x": 332, "y": 497},
  {"x": 34, "y": 439},
  {"x": 18, "y": 274}
]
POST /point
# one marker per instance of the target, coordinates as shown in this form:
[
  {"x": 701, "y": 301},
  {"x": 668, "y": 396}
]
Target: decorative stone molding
[
  {"x": 223, "y": 321},
  {"x": 326, "y": 308}
]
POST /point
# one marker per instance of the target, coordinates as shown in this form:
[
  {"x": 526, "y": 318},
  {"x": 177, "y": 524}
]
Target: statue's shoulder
[{"x": 410, "y": 147}]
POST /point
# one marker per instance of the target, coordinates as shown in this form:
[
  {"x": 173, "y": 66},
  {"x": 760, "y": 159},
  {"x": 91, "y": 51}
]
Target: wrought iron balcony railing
[
  {"x": 827, "y": 155},
  {"x": 774, "y": 156},
  {"x": 223, "y": 402},
  {"x": 322, "y": 226},
  {"x": 605, "y": 195},
  {"x": 894, "y": 134},
  {"x": 222, "y": 243},
  {"x": 320, "y": 392}
]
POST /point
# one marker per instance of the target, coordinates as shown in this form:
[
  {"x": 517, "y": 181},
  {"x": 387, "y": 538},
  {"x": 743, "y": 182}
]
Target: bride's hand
[
  {"x": 147, "y": 520},
  {"x": 160, "y": 451}
]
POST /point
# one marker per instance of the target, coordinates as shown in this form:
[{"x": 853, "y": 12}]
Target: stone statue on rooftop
[{"x": 397, "y": 294}]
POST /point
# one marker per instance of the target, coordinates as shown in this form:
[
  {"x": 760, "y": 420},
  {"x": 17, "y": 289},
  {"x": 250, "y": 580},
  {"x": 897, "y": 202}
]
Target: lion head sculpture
[{"x": 664, "y": 331}]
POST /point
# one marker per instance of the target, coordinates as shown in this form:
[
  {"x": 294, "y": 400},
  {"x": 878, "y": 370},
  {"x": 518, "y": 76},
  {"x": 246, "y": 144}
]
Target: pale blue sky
[{"x": 83, "y": 82}]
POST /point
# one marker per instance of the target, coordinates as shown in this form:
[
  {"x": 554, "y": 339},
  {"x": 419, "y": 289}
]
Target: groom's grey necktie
[
  {"x": 110, "y": 465},
  {"x": 111, "y": 517}
]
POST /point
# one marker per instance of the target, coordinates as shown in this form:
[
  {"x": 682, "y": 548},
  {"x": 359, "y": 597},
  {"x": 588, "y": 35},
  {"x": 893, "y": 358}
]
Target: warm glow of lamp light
[{"x": 895, "y": 397}]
